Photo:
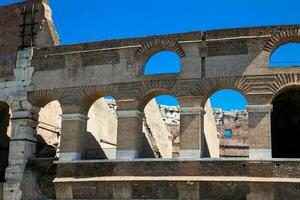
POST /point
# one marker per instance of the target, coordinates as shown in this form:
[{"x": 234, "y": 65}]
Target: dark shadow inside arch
[
  {"x": 4, "y": 138},
  {"x": 287, "y": 55},
  {"x": 163, "y": 62},
  {"x": 285, "y": 124}
]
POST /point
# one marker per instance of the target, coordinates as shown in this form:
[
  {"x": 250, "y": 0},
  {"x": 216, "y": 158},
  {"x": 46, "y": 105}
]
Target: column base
[
  {"x": 260, "y": 154},
  {"x": 189, "y": 153},
  {"x": 127, "y": 154}
]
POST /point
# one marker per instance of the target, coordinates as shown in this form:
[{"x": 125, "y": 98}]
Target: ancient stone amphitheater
[{"x": 64, "y": 137}]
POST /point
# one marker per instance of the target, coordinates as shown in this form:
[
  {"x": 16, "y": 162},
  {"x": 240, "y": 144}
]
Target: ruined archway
[
  {"x": 226, "y": 120},
  {"x": 5, "y": 133},
  {"x": 285, "y": 124},
  {"x": 49, "y": 130},
  {"x": 160, "y": 125},
  {"x": 101, "y": 141}
]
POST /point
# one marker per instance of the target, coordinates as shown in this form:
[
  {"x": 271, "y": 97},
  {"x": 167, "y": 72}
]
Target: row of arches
[
  {"x": 101, "y": 140},
  {"x": 102, "y": 122},
  {"x": 167, "y": 62}
]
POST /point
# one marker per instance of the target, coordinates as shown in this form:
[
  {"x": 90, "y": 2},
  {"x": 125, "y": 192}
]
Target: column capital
[
  {"x": 260, "y": 108},
  {"x": 74, "y": 117},
  {"x": 192, "y": 110},
  {"x": 130, "y": 113}
]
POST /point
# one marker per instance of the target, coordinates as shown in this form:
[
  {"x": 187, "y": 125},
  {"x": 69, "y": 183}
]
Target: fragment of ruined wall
[
  {"x": 159, "y": 131},
  {"x": 10, "y": 21},
  {"x": 50, "y": 122},
  {"x": 210, "y": 131}
]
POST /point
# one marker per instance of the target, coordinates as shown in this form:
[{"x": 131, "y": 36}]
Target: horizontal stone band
[
  {"x": 260, "y": 108},
  {"x": 73, "y": 117},
  {"x": 191, "y": 110},
  {"x": 129, "y": 113},
  {"x": 180, "y": 178}
]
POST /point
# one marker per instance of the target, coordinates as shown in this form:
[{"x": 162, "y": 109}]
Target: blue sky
[{"x": 91, "y": 20}]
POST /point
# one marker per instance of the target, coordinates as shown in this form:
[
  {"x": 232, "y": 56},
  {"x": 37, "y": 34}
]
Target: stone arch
[
  {"x": 289, "y": 35},
  {"x": 282, "y": 89},
  {"x": 159, "y": 133},
  {"x": 151, "y": 47},
  {"x": 90, "y": 94},
  {"x": 221, "y": 87},
  {"x": 101, "y": 127},
  {"x": 152, "y": 93},
  {"x": 43, "y": 97},
  {"x": 283, "y": 82},
  {"x": 229, "y": 114}
]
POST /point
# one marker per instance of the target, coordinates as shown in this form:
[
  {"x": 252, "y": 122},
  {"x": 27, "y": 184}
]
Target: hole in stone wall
[
  {"x": 226, "y": 114},
  {"x": 285, "y": 124},
  {"x": 164, "y": 62},
  {"x": 227, "y": 133},
  {"x": 102, "y": 129},
  {"x": 161, "y": 127},
  {"x": 286, "y": 55},
  {"x": 48, "y": 130}
]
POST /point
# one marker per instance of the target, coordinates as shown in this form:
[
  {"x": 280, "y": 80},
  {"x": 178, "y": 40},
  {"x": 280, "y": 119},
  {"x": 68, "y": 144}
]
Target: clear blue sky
[{"x": 92, "y": 20}]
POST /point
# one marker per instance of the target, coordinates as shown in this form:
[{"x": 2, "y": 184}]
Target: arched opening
[
  {"x": 287, "y": 55},
  {"x": 161, "y": 127},
  {"x": 163, "y": 62},
  {"x": 49, "y": 130},
  {"x": 5, "y": 128},
  {"x": 226, "y": 124},
  {"x": 285, "y": 124},
  {"x": 102, "y": 122}
]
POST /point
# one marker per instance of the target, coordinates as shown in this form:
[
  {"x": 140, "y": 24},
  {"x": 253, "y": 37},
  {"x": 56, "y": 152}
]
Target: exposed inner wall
[
  {"x": 171, "y": 118},
  {"x": 102, "y": 129},
  {"x": 210, "y": 131},
  {"x": 48, "y": 130},
  {"x": 237, "y": 122},
  {"x": 159, "y": 130}
]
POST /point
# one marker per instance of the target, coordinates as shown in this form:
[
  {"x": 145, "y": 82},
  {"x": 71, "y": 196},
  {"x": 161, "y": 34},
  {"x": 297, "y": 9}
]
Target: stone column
[
  {"x": 259, "y": 119},
  {"x": 22, "y": 146},
  {"x": 130, "y": 131},
  {"x": 73, "y": 134},
  {"x": 191, "y": 127}
]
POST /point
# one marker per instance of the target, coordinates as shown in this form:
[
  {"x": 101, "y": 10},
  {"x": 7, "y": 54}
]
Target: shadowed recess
[{"x": 285, "y": 124}]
